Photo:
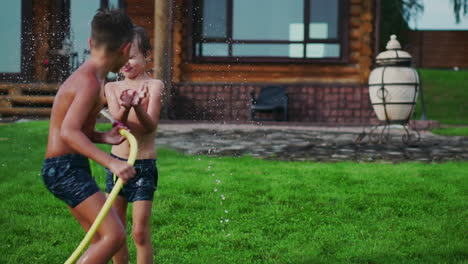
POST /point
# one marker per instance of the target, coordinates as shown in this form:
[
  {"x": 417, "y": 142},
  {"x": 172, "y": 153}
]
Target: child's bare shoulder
[
  {"x": 156, "y": 85},
  {"x": 110, "y": 87},
  {"x": 81, "y": 82}
]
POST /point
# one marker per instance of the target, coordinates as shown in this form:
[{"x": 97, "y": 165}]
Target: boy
[
  {"x": 136, "y": 101},
  {"x": 66, "y": 172}
]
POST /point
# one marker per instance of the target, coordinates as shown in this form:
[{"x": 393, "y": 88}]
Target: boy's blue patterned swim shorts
[{"x": 69, "y": 178}]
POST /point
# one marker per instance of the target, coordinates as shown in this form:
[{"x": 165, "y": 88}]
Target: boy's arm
[
  {"x": 149, "y": 118},
  {"x": 74, "y": 123},
  {"x": 111, "y": 137},
  {"x": 118, "y": 112}
]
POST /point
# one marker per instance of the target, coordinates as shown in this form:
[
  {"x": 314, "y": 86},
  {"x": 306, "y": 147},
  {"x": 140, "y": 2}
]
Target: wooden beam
[
  {"x": 25, "y": 111},
  {"x": 28, "y": 99},
  {"x": 161, "y": 36}
]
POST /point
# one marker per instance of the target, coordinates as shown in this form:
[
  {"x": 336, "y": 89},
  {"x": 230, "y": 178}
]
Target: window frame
[
  {"x": 27, "y": 54},
  {"x": 194, "y": 37}
]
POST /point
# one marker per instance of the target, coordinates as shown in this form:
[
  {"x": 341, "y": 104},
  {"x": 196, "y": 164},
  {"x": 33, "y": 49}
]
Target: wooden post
[{"x": 162, "y": 62}]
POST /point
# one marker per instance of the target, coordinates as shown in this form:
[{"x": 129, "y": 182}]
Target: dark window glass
[
  {"x": 318, "y": 50},
  {"x": 114, "y": 4},
  {"x": 10, "y": 34},
  {"x": 256, "y": 29},
  {"x": 267, "y": 20},
  {"x": 323, "y": 19},
  {"x": 212, "y": 49},
  {"x": 81, "y": 15},
  {"x": 214, "y": 19}
]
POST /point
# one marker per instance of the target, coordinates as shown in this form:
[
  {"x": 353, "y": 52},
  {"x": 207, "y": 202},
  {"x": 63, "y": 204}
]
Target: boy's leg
[
  {"x": 85, "y": 224},
  {"x": 111, "y": 233},
  {"x": 141, "y": 231},
  {"x": 120, "y": 206}
]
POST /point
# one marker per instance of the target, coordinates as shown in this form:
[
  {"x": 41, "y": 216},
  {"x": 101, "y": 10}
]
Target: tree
[
  {"x": 395, "y": 15},
  {"x": 460, "y": 8}
]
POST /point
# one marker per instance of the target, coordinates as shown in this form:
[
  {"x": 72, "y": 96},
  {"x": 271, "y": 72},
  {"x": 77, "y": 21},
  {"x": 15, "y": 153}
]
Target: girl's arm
[
  {"x": 149, "y": 118},
  {"x": 119, "y": 110}
]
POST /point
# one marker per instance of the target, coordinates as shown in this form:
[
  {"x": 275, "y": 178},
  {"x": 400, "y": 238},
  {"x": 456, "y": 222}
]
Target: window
[
  {"x": 81, "y": 15},
  {"x": 269, "y": 30},
  {"x": 15, "y": 31}
]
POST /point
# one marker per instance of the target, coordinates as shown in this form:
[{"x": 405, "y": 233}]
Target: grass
[
  {"x": 452, "y": 131},
  {"x": 445, "y": 94},
  {"x": 278, "y": 212}
]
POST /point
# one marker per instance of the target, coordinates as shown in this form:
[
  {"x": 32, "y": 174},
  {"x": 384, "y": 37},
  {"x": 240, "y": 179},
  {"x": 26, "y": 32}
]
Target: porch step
[
  {"x": 25, "y": 111},
  {"x": 28, "y": 99},
  {"x": 32, "y": 99}
]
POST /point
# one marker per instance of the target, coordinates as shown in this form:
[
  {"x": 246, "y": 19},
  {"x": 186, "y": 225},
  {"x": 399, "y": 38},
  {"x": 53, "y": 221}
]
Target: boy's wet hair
[
  {"x": 111, "y": 28},
  {"x": 144, "y": 43}
]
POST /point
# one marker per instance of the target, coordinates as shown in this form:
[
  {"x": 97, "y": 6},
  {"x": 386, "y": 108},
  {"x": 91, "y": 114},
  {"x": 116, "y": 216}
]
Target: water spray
[{"x": 111, "y": 198}]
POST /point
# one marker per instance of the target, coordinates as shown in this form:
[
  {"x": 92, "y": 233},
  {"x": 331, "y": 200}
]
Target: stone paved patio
[{"x": 329, "y": 144}]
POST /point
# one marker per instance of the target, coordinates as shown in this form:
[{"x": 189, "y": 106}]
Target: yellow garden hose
[{"x": 110, "y": 200}]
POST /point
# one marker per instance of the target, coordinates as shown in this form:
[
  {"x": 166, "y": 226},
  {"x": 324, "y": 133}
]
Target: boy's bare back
[{"x": 78, "y": 101}]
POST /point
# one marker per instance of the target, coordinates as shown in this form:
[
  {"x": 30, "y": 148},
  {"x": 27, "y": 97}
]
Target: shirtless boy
[{"x": 66, "y": 172}]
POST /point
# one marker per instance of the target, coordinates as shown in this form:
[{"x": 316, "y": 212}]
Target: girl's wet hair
[{"x": 144, "y": 43}]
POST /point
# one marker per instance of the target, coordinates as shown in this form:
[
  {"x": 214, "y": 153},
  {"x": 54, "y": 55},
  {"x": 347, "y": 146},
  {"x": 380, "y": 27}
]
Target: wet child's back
[{"x": 66, "y": 172}]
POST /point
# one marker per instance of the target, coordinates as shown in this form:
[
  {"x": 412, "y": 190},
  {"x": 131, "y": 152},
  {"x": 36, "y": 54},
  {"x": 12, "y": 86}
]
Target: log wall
[
  {"x": 360, "y": 41},
  {"x": 330, "y": 93}
]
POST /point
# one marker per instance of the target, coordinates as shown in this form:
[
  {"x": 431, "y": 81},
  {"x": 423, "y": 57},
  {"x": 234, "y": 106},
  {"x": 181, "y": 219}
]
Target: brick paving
[{"x": 312, "y": 143}]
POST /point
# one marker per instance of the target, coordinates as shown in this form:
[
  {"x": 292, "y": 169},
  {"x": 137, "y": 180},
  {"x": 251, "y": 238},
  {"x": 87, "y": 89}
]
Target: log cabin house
[{"x": 210, "y": 53}]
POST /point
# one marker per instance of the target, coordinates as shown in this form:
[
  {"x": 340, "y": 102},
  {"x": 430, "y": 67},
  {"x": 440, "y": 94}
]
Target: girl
[{"x": 136, "y": 102}]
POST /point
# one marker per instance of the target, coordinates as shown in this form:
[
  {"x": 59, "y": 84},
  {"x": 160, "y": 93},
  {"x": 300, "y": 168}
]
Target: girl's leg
[
  {"x": 110, "y": 234},
  {"x": 141, "y": 231},
  {"x": 120, "y": 206}
]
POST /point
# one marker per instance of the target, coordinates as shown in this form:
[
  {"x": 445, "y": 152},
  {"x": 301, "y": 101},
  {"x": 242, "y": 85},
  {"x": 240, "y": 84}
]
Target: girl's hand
[
  {"x": 140, "y": 94},
  {"x": 127, "y": 97}
]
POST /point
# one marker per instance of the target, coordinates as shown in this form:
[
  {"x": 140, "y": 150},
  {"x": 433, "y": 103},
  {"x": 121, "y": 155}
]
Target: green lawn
[
  {"x": 446, "y": 96},
  {"x": 452, "y": 131},
  {"x": 272, "y": 212}
]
